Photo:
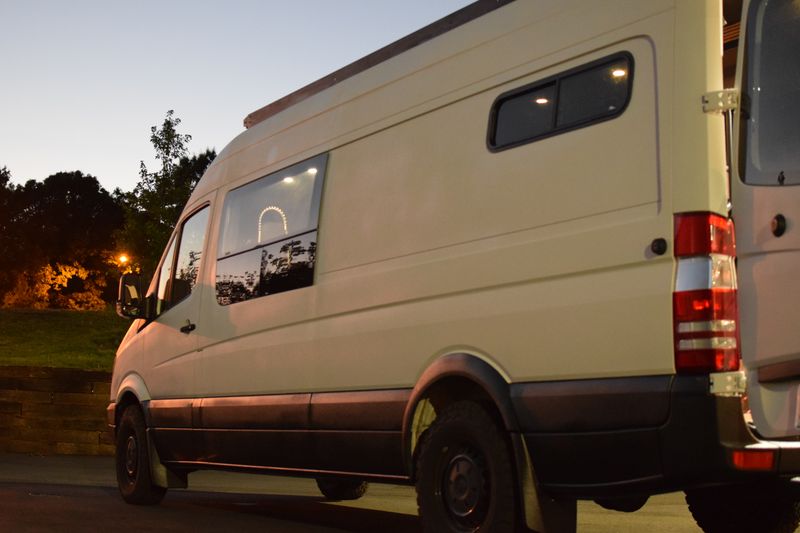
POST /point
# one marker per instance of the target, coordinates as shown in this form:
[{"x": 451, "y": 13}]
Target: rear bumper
[{"x": 600, "y": 438}]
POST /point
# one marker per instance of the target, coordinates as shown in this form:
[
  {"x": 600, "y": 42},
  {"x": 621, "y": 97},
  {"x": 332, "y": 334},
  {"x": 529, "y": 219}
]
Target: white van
[{"x": 496, "y": 260}]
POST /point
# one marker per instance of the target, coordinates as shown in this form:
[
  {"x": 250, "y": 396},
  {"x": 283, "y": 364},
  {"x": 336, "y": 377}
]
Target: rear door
[{"x": 765, "y": 188}]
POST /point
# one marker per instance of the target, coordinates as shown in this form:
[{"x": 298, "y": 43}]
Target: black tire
[
  {"x": 133, "y": 461},
  {"x": 765, "y": 508},
  {"x": 465, "y": 479},
  {"x": 338, "y": 489}
]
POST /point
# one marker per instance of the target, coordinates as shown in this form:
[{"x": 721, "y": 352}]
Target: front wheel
[
  {"x": 133, "y": 461},
  {"x": 465, "y": 481},
  {"x": 763, "y": 507}
]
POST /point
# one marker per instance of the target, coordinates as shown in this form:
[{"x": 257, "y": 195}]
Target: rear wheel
[
  {"x": 465, "y": 481},
  {"x": 766, "y": 508},
  {"x": 337, "y": 489},
  {"x": 133, "y": 460}
]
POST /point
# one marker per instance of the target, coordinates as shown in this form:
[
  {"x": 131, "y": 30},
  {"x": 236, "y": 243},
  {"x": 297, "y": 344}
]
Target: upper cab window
[
  {"x": 177, "y": 276},
  {"x": 268, "y": 233},
  {"x": 575, "y": 99}
]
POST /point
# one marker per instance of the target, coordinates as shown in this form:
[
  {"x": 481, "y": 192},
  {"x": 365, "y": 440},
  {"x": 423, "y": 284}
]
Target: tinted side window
[
  {"x": 592, "y": 93},
  {"x": 164, "y": 277},
  {"x": 526, "y": 116},
  {"x": 272, "y": 208},
  {"x": 268, "y": 233},
  {"x": 190, "y": 253},
  {"x": 178, "y": 275},
  {"x": 596, "y": 93}
]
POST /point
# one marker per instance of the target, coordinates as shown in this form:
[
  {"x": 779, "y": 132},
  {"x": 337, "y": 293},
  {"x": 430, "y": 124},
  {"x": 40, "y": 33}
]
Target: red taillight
[
  {"x": 705, "y": 303},
  {"x": 703, "y": 233},
  {"x": 762, "y": 460}
]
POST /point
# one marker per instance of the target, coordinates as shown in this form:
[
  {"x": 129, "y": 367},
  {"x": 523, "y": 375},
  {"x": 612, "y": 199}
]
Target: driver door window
[
  {"x": 164, "y": 276},
  {"x": 178, "y": 274}
]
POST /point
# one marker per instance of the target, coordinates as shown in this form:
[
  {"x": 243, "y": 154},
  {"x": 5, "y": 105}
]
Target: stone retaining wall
[{"x": 54, "y": 411}]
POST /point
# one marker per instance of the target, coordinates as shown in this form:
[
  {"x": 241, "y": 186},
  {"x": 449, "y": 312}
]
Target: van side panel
[
  {"x": 429, "y": 243},
  {"x": 536, "y": 259},
  {"x": 527, "y": 233}
]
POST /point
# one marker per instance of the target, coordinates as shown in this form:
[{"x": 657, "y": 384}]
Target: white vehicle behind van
[{"x": 539, "y": 251}]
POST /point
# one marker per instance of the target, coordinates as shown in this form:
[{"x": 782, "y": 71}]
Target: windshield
[{"x": 771, "y": 94}]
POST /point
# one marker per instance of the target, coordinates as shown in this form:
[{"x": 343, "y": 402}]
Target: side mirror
[{"x": 131, "y": 302}]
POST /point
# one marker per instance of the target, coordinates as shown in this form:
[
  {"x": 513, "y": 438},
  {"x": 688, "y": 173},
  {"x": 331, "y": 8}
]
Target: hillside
[{"x": 62, "y": 339}]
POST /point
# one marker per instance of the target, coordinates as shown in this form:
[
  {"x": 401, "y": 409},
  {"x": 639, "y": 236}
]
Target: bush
[{"x": 70, "y": 287}]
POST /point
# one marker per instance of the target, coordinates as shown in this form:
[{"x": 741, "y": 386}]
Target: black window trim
[
  {"x": 556, "y": 81},
  {"x": 270, "y": 243}
]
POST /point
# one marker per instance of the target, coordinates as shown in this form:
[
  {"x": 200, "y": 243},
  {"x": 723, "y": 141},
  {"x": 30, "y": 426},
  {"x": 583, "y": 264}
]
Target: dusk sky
[{"x": 83, "y": 81}]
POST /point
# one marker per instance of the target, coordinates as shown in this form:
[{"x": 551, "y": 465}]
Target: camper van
[{"x": 539, "y": 251}]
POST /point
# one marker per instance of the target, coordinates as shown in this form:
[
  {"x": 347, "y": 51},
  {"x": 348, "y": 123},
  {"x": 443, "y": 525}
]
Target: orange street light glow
[{"x": 123, "y": 259}]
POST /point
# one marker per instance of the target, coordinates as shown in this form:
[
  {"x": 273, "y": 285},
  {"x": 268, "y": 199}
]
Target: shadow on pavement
[
  {"x": 307, "y": 509},
  {"x": 25, "y": 507}
]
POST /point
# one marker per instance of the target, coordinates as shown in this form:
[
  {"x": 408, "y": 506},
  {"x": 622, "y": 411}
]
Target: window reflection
[
  {"x": 164, "y": 277},
  {"x": 525, "y": 116},
  {"x": 175, "y": 284},
  {"x": 278, "y": 267},
  {"x": 189, "y": 255},
  {"x": 284, "y": 222},
  {"x": 594, "y": 93},
  {"x": 272, "y": 208},
  {"x": 573, "y": 99},
  {"x": 268, "y": 236}
]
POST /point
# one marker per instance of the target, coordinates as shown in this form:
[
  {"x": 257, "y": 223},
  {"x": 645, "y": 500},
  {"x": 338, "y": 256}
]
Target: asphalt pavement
[{"x": 68, "y": 493}]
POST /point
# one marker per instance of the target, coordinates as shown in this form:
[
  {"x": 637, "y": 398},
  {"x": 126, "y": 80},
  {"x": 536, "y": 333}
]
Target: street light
[{"x": 124, "y": 263}]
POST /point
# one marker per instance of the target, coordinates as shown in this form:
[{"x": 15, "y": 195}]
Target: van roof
[
  {"x": 443, "y": 25},
  {"x": 264, "y": 123}
]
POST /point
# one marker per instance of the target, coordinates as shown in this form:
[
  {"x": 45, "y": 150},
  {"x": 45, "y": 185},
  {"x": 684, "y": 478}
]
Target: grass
[{"x": 62, "y": 339}]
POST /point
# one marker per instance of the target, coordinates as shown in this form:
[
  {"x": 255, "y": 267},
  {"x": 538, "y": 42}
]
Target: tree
[
  {"x": 56, "y": 237},
  {"x": 5, "y": 179},
  {"x": 9, "y": 245},
  {"x": 69, "y": 216},
  {"x": 153, "y": 207}
]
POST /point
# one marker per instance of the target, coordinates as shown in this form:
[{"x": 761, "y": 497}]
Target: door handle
[{"x": 188, "y": 328}]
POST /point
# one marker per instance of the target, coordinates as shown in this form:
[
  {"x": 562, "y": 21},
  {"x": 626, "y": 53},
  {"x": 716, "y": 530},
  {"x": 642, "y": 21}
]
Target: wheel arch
[
  {"x": 464, "y": 376},
  {"x": 453, "y": 377},
  {"x": 131, "y": 391}
]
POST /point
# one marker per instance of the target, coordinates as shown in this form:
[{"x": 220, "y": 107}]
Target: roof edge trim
[{"x": 432, "y": 30}]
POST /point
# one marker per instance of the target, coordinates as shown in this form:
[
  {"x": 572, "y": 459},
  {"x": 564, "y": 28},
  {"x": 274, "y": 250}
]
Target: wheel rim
[
  {"x": 465, "y": 489},
  {"x": 131, "y": 457}
]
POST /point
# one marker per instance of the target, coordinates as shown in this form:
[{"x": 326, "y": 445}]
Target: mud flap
[
  {"x": 160, "y": 474},
  {"x": 542, "y": 513}
]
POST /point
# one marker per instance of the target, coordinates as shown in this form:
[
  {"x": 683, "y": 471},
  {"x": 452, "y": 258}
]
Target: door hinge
[{"x": 721, "y": 101}]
